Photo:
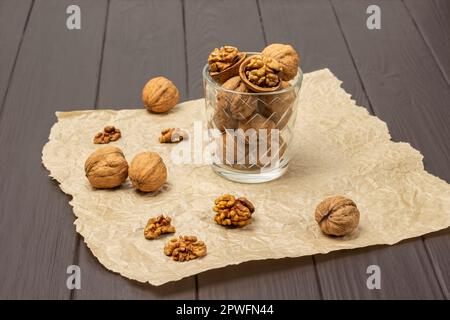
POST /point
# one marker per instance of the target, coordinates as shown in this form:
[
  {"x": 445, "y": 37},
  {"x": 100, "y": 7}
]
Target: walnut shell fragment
[
  {"x": 337, "y": 216},
  {"x": 286, "y": 55},
  {"x": 172, "y": 135},
  {"x": 157, "y": 226},
  {"x": 185, "y": 248},
  {"x": 147, "y": 171},
  {"x": 106, "y": 168},
  {"x": 160, "y": 95},
  {"x": 233, "y": 212}
]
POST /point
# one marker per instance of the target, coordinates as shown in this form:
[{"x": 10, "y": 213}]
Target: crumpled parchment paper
[{"x": 339, "y": 149}]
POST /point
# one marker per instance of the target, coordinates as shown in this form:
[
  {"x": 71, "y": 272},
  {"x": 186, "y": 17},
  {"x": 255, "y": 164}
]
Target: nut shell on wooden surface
[
  {"x": 337, "y": 216},
  {"x": 147, "y": 172},
  {"x": 160, "y": 95},
  {"x": 286, "y": 55},
  {"x": 106, "y": 168}
]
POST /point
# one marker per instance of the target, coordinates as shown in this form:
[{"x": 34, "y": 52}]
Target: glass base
[{"x": 250, "y": 176}]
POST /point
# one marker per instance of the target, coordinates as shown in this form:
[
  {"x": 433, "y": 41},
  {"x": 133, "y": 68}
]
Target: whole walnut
[
  {"x": 147, "y": 171},
  {"x": 160, "y": 95},
  {"x": 258, "y": 125},
  {"x": 337, "y": 216},
  {"x": 286, "y": 55},
  {"x": 106, "y": 168},
  {"x": 240, "y": 106},
  {"x": 227, "y": 150},
  {"x": 222, "y": 118},
  {"x": 278, "y": 107}
]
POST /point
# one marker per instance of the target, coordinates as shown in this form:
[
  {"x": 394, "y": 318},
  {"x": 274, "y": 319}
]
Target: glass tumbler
[{"x": 250, "y": 133}]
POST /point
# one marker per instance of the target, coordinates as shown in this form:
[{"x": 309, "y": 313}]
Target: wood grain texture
[
  {"x": 13, "y": 17},
  {"x": 310, "y": 26},
  {"x": 144, "y": 39},
  {"x": 211, "y": 24},
  {"x": 323, "y": 45},
  {"x": 433, "y": 21},
  {"x": 408, "y": 91},
  {"x": 56, "y": 70}
]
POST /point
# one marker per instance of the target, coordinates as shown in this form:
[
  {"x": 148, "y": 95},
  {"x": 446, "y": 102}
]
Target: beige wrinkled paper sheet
[{"x": 339, "y": 149}]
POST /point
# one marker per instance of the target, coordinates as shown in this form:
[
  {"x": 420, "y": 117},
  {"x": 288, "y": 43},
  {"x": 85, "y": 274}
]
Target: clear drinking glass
[{"x": 250, "y": 133}]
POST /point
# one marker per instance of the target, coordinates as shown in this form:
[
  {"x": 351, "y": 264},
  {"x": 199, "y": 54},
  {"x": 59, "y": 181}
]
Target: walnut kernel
[
  {"x": 158, "y": 226},
  {"x": 223, "y": 58},
  {"x": 263, "y": 71},
  {"x": 110, "y": 133},
  {"x": 185, "y": 248},
  {"x": 233, "y": 212}
]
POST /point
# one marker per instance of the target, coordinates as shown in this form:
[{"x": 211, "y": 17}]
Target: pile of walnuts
[{"x": 257, "y": 96}]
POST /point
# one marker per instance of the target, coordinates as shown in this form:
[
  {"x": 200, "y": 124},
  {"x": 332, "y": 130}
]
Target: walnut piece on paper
[
  {"x": 157, "y": 226},
  {"x": 232, "y": 211},
  {"x": 110, "y": 133},
  {"x": 172, "y": 135},
  {"x": 337, "y": 216},
  {"x": 185, "y": 248}
]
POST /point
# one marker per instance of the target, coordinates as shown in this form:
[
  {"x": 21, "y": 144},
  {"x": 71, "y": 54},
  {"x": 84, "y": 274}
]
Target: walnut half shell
[{"x": 337, "y": 216}]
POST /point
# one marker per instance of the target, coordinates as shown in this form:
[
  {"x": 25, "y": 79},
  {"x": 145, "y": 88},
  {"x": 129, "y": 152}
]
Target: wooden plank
[
  {"x": 432, "y": 20},
  {"x": 210, "y": 24},
  {"x": 311, "y": 27},
  {"x": 343, "y": 274},
  {"x": 407, "y": 90},
  {"x": 56, "y": 70},
  {"x": 13, "y": 17},
  {"x": 144, "y": 39}
]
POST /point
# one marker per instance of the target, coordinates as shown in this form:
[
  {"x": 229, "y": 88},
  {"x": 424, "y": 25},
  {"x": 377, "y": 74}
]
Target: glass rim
[{"x": 297, "y": 81}]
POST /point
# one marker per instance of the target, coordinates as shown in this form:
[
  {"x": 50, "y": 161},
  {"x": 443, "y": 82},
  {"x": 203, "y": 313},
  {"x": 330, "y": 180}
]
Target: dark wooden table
[{"x": 401, "y": 73}]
